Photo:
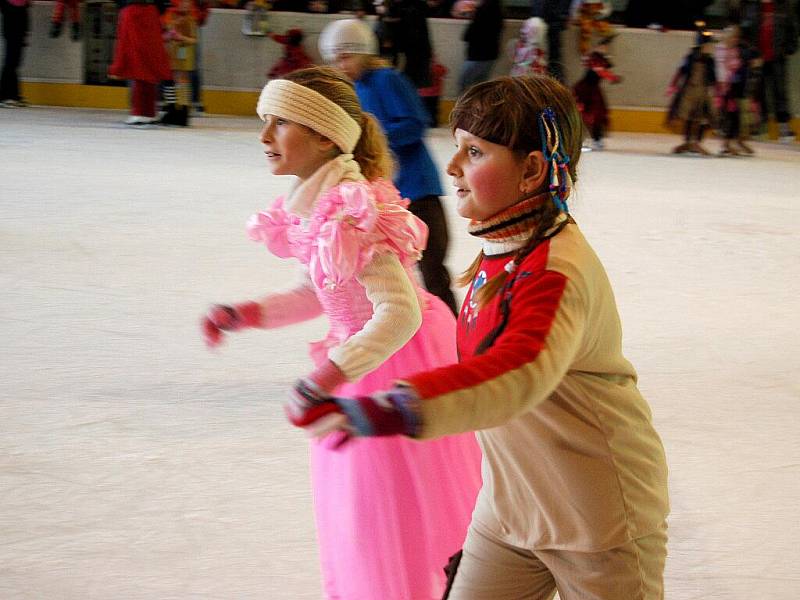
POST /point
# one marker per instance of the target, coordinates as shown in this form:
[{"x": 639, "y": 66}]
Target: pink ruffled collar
[{"x": 347, "y": 226}]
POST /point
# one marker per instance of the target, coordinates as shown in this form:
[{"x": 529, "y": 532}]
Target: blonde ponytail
[{"x": 372, "y": 150}]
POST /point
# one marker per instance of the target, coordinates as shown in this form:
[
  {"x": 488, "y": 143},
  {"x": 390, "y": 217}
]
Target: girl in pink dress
[{"x": 389, "y": 512}]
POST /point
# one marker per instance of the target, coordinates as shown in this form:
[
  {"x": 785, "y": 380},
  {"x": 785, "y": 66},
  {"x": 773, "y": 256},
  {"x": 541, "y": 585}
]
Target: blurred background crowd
[{"x": 741, "y": 85}]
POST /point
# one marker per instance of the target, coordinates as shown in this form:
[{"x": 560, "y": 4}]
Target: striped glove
[{"x": 395, "y": 412}]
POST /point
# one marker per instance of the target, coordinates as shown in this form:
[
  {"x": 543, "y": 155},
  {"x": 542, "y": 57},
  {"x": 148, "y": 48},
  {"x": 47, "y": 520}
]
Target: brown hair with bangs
[{"x": 507, "y": 111}]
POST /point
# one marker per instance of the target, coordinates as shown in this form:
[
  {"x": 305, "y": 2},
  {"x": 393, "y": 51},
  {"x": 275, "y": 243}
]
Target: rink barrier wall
[
  {"x": 242, "y": 103},
  {"x": 234, "y": 65}
]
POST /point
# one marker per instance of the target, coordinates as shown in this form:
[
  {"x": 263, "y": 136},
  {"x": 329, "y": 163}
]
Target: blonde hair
[
  {"x": 372, "y": 61},
  {"x": 507, "y": 111},
  {"x": 372, "y": 150}
]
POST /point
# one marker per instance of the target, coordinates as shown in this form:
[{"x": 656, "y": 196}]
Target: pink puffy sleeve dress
[{"x": 389, "y": 511}]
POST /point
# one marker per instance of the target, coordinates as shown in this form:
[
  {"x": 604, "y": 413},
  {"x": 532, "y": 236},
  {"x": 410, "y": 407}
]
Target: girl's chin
[{"x": 464, "y": 209}]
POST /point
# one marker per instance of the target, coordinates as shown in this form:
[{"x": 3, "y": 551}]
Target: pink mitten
[
  {"x": 221, "y": 318},
  {"x": 310, "y": 392},
  {"x": 309, "y": 403}
]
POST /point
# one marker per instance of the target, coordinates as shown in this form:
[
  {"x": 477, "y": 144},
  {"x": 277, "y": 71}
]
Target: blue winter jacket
[{"x": 393, "y": 100}]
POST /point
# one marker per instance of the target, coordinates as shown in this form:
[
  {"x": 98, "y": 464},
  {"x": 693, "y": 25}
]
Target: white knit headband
[{"x": 295, "y": 102}]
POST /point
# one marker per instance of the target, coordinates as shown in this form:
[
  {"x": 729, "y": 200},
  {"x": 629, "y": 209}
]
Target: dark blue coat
[{"x": 393, "y": 100}]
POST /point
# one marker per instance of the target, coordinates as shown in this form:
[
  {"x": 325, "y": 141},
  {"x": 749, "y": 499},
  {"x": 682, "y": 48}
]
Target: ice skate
[
  {"x": 728, "y": 149},
  {"x": 786, "y": 135},
  {"x": 682, "y": 148},
  {"x": 745, "y": 148},
  {"x": 176, "y": 115},
  {"x": 139, "y": 120}
]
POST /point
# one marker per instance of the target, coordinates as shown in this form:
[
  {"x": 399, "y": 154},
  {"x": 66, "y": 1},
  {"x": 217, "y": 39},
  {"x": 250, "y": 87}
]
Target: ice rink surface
[{"x": 135, "y": 464}]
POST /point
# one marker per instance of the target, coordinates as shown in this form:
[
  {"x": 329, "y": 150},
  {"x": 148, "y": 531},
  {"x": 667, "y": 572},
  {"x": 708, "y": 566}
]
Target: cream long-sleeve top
[{"x": 571, "y": 458}]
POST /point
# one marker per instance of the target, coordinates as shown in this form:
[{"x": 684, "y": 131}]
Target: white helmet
[
  {"x": 347, "y": 36},
  {"x": 534, "y": 30}
]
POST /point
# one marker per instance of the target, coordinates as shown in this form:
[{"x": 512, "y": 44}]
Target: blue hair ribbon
[{"x": 552, "y": 148}]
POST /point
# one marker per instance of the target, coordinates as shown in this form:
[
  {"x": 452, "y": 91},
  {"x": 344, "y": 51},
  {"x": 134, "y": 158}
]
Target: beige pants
[{"x": 493, "y": 570}]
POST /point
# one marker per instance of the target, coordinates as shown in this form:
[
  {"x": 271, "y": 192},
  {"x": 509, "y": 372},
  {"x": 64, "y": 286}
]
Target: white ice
[{"x": 135, "y": 464}]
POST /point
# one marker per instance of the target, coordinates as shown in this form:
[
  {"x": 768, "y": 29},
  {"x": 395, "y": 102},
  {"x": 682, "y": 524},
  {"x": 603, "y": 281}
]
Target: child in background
[
  {"x": 200, "y": 9},
  {"x": 432, "y": 94},
  {"x": 751, "y": 104},
  {"x": 352, "y": 46},
  {"x": 256, "y": 18},
  {"x": 482, "y": 37},
  {"x": 16, "y": 25},
  {"x": 530, "y": 51},
  {"x": 591, "y": 17},
  {"x": 180, "y": 33},
  {"x": 57, "y": 22},
  {"x": 693, "y": 88},
  {"x": 589, "y": 93},
  {"x": 140, "y": 55},
  {"x": 389, "y": 512},
  {"x": 771, "y": 28},
  {"x": 575, "y": 480},
  {"x": 732, "y": 63},
  {"x": 294, "y": 56}
]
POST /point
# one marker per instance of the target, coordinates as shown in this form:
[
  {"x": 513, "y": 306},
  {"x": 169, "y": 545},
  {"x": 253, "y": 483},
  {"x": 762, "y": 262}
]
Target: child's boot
[
  {"x": 176, "y": 115},
  {"x": 76, "y": 31},
  {"x": 182, "y": 116},
  {"x": 168, "y": 107},
  {"x": 168, "y": 118},
  {"x": 55, "y": 29}
]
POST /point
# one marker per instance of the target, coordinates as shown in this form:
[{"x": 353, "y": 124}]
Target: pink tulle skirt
[{"x": 390, "y": 511}]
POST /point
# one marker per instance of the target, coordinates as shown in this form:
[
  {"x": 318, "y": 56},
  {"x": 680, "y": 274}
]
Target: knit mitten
[
  {"x": 221, "y": 318},
  {"x": 312, "y": 391},
  {"x": 308, "y": 404},
  {"x": 395, "y": 412}
]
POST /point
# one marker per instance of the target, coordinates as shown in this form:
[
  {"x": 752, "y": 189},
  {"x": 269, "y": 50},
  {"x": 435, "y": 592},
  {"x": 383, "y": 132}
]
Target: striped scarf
[{"x": 509, "y": 229}]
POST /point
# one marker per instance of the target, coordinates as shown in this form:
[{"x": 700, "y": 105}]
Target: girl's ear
[
  {"x": 325, "y": 145},
  {"x": 534, "y": 175}
]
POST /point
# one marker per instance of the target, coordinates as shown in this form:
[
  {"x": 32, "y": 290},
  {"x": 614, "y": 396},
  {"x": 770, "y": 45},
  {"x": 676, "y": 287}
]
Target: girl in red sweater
[{"x": 574, "y": 493}]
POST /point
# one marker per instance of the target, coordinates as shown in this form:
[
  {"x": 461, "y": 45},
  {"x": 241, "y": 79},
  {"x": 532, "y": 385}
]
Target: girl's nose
[
  {"x": 452, "y": 168},
  {"x": 265, "y": 134}
]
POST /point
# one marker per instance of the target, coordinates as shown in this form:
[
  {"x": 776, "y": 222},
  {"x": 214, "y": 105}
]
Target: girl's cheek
[{"x": 480, "y": 178}]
